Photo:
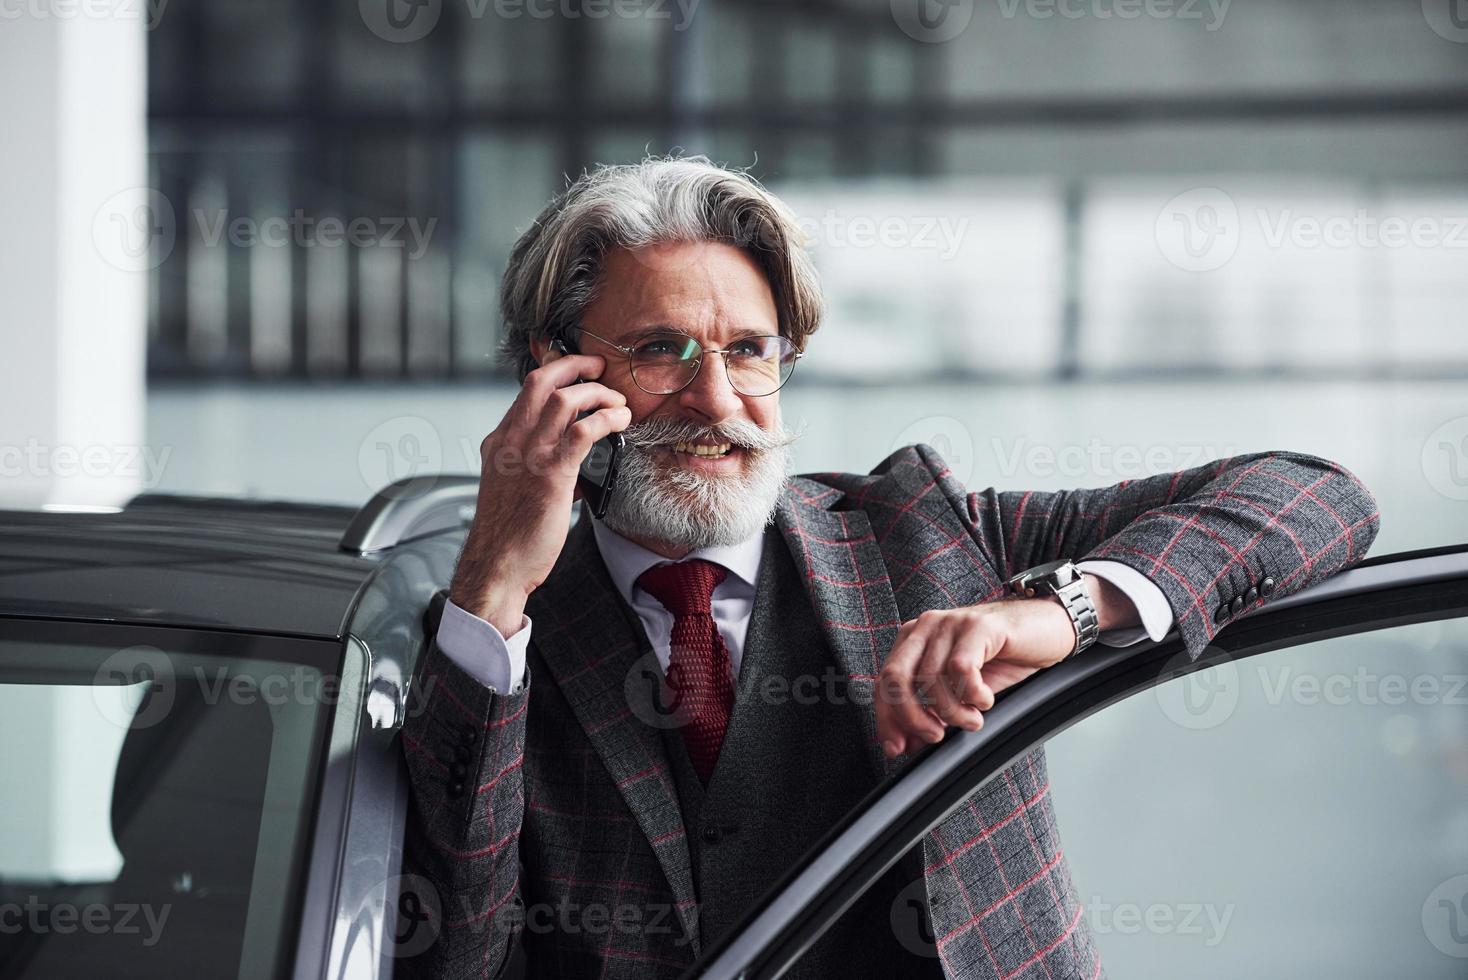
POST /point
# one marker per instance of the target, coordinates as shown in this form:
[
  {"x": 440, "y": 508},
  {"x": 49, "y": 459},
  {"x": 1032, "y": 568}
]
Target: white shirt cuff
[
  {"x": 481, "y": 652},
  {"x": 1152, "y": 607}
]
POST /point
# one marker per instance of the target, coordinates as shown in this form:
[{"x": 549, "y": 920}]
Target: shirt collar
[{"x": 626, "y": 560}]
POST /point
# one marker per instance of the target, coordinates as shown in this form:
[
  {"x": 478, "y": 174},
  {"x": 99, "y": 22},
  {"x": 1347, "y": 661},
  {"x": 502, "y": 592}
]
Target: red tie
[{"x": 698, "y": 661}]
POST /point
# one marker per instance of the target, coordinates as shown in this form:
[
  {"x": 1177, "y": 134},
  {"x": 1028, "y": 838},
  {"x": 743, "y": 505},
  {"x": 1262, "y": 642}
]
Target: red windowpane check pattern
[{"x": 698, "y": 661}]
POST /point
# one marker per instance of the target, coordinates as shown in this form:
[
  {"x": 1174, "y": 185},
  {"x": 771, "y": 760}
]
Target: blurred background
[{"x": 255, "y": 245}]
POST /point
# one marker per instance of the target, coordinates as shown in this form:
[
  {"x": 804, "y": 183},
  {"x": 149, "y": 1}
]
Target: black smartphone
[{"x": 599, "y": 468}]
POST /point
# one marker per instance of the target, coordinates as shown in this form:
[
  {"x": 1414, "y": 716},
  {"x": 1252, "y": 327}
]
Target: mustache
[{"x": 666, "y": 431}]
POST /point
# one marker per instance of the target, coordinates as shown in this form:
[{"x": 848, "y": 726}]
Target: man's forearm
[{"x": 1113, "y": 609}]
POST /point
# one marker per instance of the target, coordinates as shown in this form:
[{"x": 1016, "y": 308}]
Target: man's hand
[
  {"x": 527, "y": 483},
  {"x": 947, "y": 665}
]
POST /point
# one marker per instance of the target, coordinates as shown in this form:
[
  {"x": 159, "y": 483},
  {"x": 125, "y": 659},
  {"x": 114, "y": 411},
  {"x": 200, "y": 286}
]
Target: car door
[{"x": 1388, "y": 634}]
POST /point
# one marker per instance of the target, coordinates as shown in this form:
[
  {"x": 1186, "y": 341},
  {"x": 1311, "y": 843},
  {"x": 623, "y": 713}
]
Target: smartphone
[{"x": 599, "y": 468}]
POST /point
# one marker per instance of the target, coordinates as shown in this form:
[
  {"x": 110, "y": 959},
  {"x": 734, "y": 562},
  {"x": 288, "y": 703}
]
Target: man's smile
[{"x": 706, "y": 457}]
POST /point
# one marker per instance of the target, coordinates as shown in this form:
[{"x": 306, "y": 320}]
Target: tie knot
[{"x": 684, "y": 588}]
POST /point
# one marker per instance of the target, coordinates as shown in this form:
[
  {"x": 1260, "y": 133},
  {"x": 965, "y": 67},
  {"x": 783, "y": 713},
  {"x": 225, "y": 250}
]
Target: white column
[{"x": 80, "y": 231}]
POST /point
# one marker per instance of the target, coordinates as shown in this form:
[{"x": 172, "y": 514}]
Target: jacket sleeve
[
  {"x": 1219, "y": 540},
  {"x": 464, "y": 748}
]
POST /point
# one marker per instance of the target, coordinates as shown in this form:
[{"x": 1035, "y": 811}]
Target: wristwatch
[{"x": 1063, "y": 580}]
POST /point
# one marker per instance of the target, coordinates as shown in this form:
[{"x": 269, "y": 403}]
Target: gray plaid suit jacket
[{"x": 550, "y": 818}]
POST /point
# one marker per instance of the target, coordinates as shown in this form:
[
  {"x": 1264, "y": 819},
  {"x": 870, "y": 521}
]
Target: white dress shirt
[{"x": 479, "y": 649}]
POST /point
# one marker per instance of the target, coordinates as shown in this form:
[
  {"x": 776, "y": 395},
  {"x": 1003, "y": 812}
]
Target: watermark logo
[
  {"x": 912, "y": 923},
  {"x": 1447, "y": 18},
  {"x": 135, "y": 229},
  {"x": 407, "y": 447},
  {"x": 418, "y": 915},
  {"x": 1198, "y": 230},
  {"x": 1445, "y": 459},
  {"x": 949, "y": 437},
  {"x": 652, "y": 697},
  {"x": 1199, "y": 700},
  {"x": 932, "y": 21},
  {"x": 148, "y": 674},
  {"x": 1445, "y": 917},
  {"x": 400, "y": 21}
]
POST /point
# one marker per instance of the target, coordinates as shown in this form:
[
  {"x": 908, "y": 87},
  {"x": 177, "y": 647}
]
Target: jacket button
[
  {"x": 459, "y": 771},
  {"x": 456, "y": 790},
  {"x": 711, "y": 835},
  {"x": 1237, "y": 604},
  {"x": 1221, "y": 613},
  {"x": 461, "y": 754},
  {"x": 1266, "y": 587},
  {"x": 1250, "y": 596}
]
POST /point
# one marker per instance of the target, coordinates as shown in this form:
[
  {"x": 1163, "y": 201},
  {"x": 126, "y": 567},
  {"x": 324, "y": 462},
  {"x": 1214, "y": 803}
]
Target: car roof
[{"x": 204, "y": 562}]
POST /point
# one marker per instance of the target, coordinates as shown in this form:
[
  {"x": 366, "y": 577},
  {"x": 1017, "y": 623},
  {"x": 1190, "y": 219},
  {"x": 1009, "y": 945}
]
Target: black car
[{"x": 214, "y": 687}]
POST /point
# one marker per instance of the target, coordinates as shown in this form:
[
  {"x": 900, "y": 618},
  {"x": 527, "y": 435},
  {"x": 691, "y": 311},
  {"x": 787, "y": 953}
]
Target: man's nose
[{"x": 709, "y": 395}]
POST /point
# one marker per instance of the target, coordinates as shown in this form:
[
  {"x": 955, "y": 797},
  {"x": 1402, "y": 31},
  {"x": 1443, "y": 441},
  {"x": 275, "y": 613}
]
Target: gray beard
[{"x": 686, "y": 510}]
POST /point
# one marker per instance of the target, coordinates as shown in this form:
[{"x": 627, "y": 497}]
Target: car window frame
[
  {"x": 327, "y": 794},
  {"x": 1393, "y": 590}
]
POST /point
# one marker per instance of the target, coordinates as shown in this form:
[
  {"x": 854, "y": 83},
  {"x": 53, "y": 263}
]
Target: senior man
[{"x": 560, "y": 805}]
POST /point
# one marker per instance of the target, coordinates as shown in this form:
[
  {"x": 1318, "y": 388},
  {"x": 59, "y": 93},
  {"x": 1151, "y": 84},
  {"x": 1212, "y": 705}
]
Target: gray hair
[{"x": 556, "y": 265}]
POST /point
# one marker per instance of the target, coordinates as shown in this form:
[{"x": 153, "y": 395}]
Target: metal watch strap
[{"x": 1077, "y": 603}]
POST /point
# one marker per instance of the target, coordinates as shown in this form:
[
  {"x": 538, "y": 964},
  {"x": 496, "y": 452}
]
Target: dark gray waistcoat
[{"x": 792, "y": 764}]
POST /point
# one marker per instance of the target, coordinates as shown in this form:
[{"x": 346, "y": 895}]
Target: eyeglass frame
[{"x": 628, "y": 352}]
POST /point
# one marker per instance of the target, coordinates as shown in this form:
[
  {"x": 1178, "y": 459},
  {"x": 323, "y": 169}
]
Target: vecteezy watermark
[
  {"x": 1361, "y": 686},
  {"x": 655, "y": 697},
  {"x": 838, "y": 230},
  {"x": 150, "y": 12},
  {"x": 1447, "y": 18},
  {"x": 1445, "y": 458},
  {"x": 1204, "y": 919},
  {"x": 306, "y": 231},
  {"x": 936, "y": 21},
  {"x": 1202, "y": 229},
  {"x": 138, "y": 228},
  {"x": 1209, "y": 13},
  {"x": 152, "y": 683},
  {"x": 37, "y": 918},
  {"x": 1206, "y": 698},
  {"x": 1099, "y": 459},
  {"x": 40, "y": 460},
  {"x": 1445, "y": 917},
  {"x": 404, "y": 21}
]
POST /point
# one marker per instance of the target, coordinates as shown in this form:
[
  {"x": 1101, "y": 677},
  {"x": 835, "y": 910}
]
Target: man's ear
[{"x": 542, "y": 351}]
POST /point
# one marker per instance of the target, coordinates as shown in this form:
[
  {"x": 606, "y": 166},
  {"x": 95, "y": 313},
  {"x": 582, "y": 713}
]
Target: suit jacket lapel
[
  {"x": 849, "y": 587},
  {"x": 598, "y": 652}
]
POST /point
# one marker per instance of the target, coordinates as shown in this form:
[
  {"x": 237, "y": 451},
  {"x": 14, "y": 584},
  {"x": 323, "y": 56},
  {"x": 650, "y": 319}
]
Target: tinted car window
[
  {"x": 154, "y": 799},
  {"x": 1298, "y": 813}
]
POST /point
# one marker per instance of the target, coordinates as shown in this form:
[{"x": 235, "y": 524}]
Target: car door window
[
  {"x": 153, "y": 799},
  {"x": 1302, "y": 812}
]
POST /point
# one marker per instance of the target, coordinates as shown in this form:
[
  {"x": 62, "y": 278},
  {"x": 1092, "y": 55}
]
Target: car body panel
[{"x": 185, "y": 561}]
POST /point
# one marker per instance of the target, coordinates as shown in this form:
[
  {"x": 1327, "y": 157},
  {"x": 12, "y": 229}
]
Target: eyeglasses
[{"x": 666, "y": 362}]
